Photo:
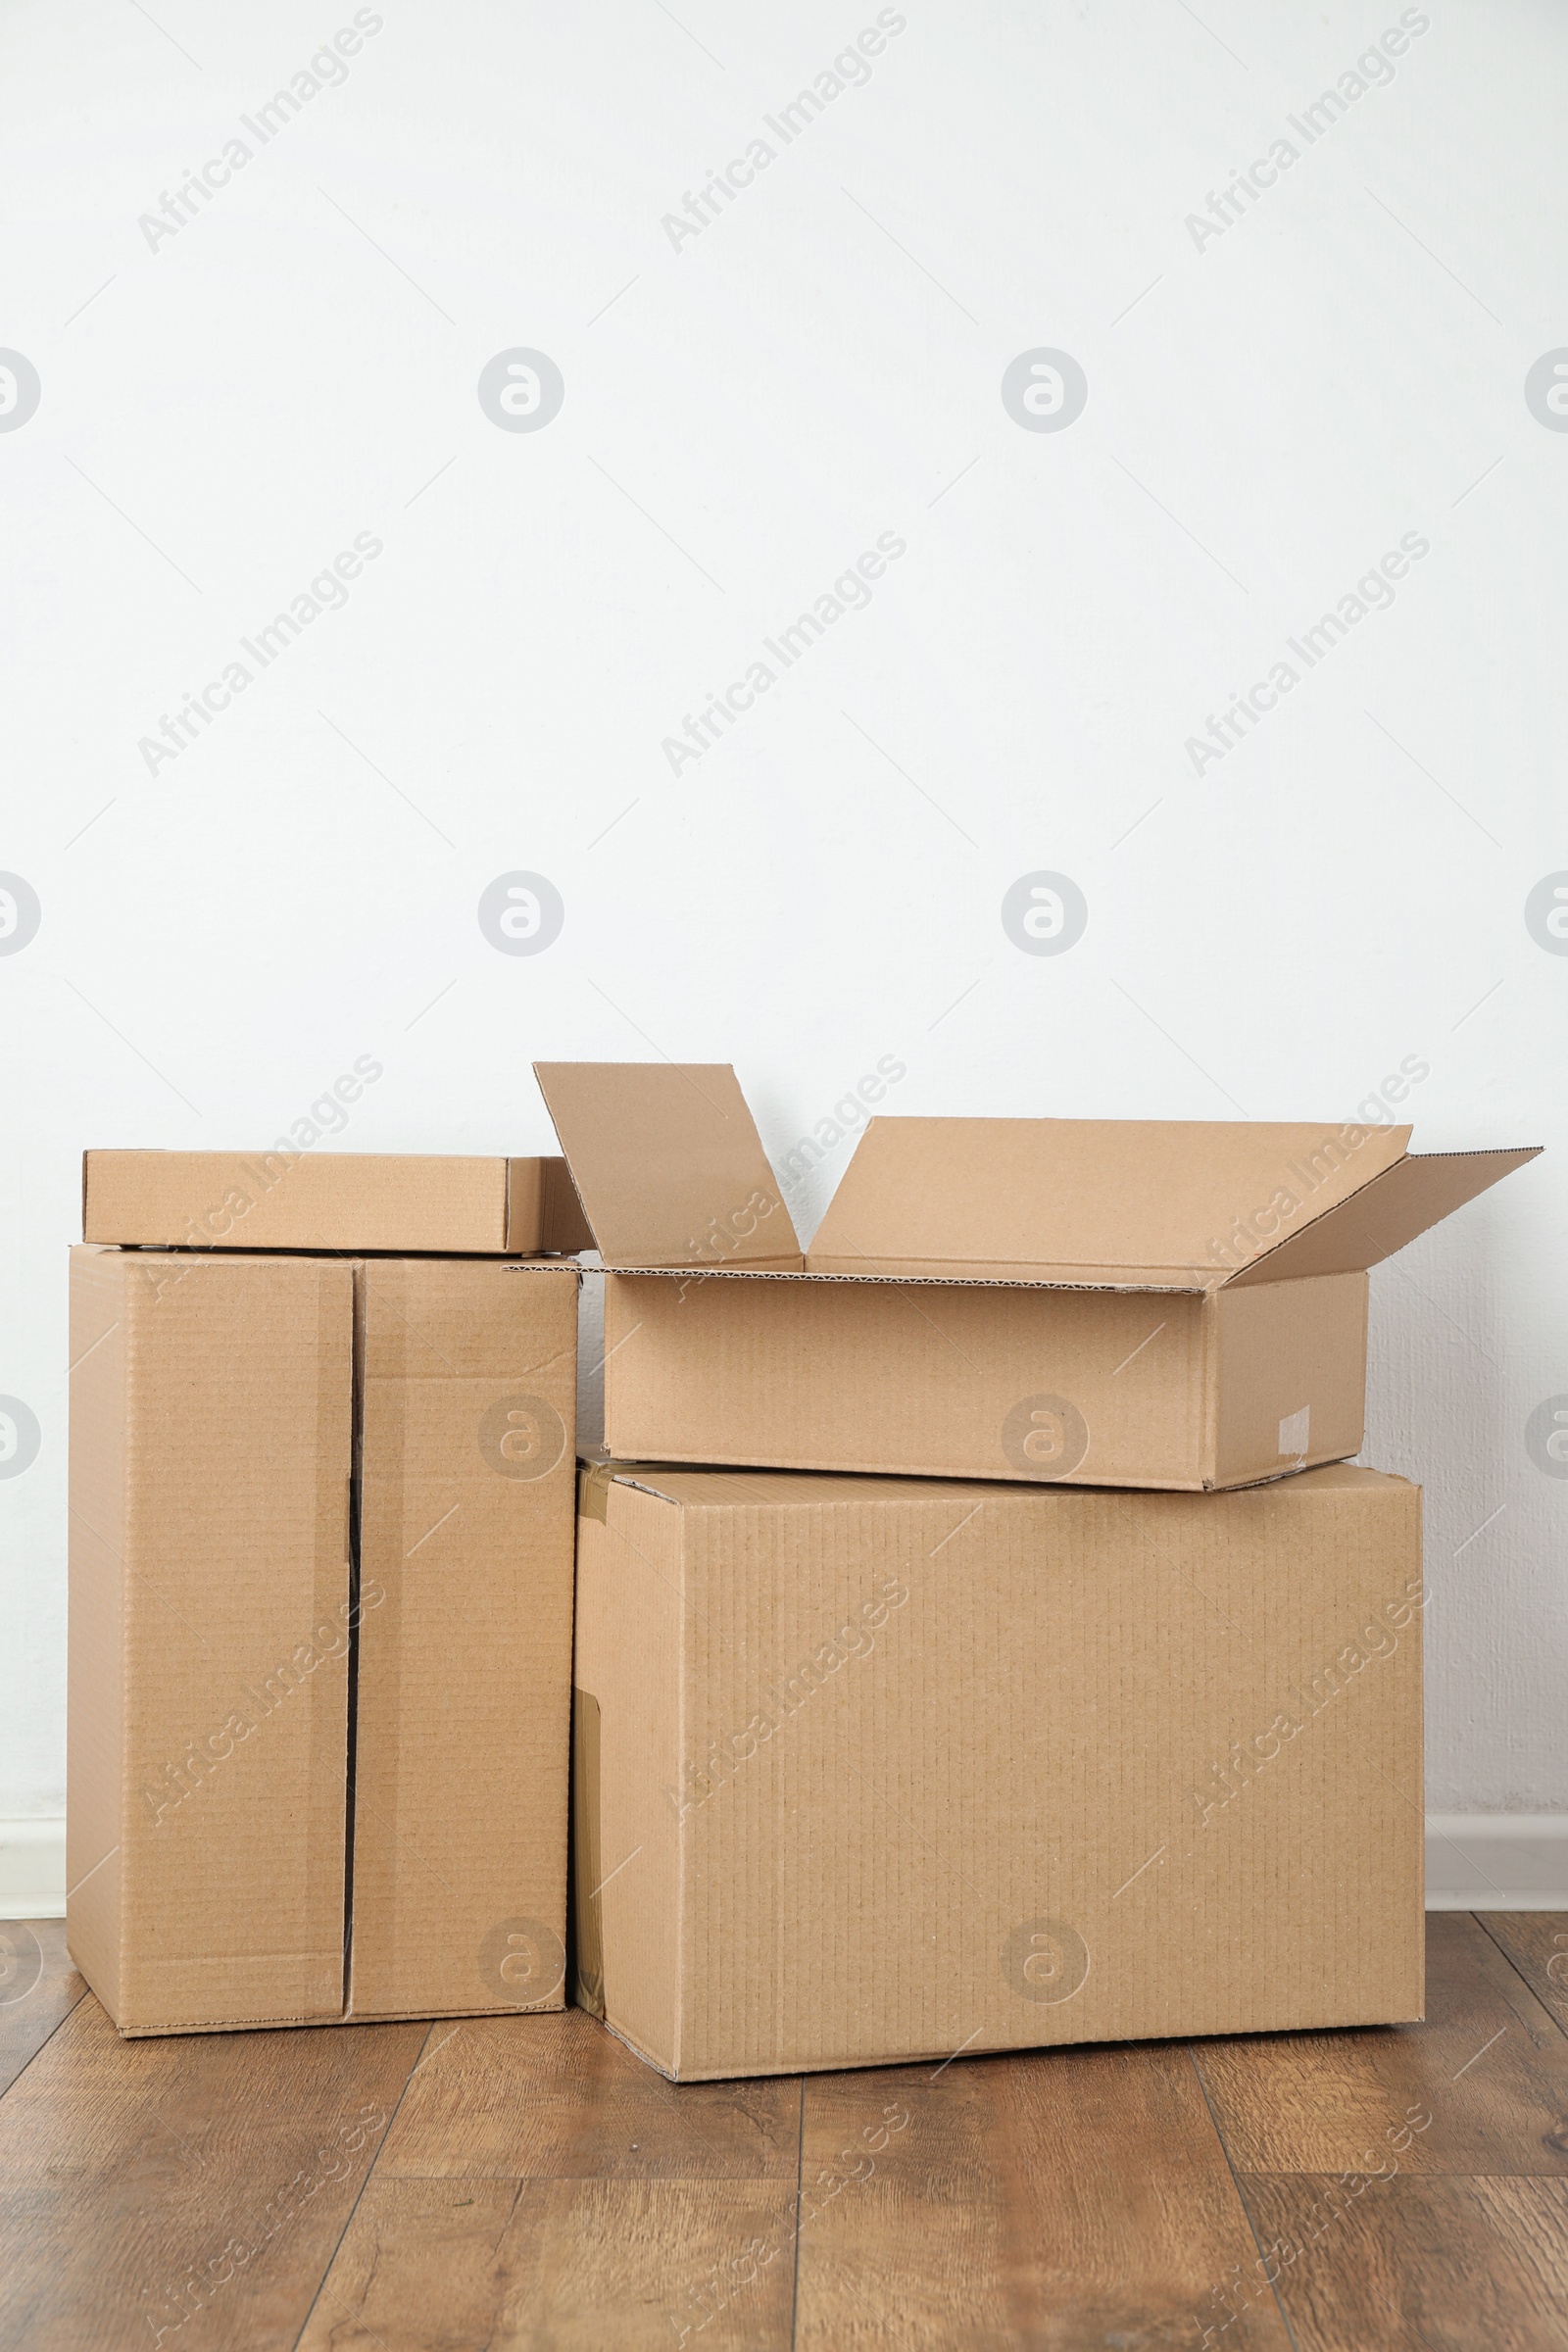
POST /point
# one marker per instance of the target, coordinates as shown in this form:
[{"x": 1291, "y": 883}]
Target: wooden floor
[{"x": 442, "y": 2188}]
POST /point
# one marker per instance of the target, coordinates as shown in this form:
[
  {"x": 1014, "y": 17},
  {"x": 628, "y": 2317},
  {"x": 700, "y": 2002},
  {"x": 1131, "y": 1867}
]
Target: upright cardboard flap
[
  {"x": 1149, "y": 1200},
  {"x": 1414, "y": 1194},
  {"x": 668, "y": 1164}
]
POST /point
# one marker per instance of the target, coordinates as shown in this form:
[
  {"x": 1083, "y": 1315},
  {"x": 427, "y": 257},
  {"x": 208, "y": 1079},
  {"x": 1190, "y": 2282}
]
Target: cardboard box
[
  {"x": 283, "y": 1199},
  {"x": 321, "y": 1593},
  {"x": 211, "y": 1608},
  {"x": 1106, "y": 1303},
  {"x": 467, "y": 1511},
  {"x": 874, "y": 1770}
]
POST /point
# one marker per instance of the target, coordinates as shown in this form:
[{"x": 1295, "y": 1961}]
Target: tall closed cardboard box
[
  {"x": 320, "y": 1634},
  {"x": 1104, "y": 1303},
  {"x": 875, "y": 1770},
  {"x": 464, "y": 1666},
  {"x": 211, "y": 1608}
]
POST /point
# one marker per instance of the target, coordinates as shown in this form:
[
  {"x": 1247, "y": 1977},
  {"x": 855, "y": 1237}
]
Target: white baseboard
[
  {"x": 1475, "y": 1862},
  {"x": 1497, "y": 1861},
  {"x": 32, "y": 1869}
]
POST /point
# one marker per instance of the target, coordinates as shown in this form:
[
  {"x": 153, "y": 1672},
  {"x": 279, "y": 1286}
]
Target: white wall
[{"x": 1269, "y": 410}]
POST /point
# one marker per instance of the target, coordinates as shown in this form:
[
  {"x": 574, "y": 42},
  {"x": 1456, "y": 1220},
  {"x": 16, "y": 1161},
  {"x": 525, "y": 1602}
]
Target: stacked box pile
[
  {"x": 322, "y": 1465},
  {"x": 981, "y": 1637},
  {"x": 983, "y": 1641}
]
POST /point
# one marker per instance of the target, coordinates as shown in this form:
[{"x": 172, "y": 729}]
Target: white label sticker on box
[{"x": 1294, "y": 1430}]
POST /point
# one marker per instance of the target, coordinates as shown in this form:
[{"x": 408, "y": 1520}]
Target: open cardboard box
[{"x": 1110, "y": 1302}]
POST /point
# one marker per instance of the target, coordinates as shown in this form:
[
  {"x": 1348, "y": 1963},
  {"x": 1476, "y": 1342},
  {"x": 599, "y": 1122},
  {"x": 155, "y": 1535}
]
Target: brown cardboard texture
[
  {"x": 357, "y": 1201},
  {"x": 1110, "y": 1303},
  {"x": 878, "y": 1769},
  {"x": 320, "y": 1507},
  {"x": 464, "y": 1658},
  {"x": 210, "y": 1615}
]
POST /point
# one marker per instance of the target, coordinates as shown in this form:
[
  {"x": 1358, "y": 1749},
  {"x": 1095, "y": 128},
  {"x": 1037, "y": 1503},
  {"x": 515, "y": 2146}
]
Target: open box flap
[
  {"x": 668, "y": 1164},
  {"x": 1407, "y": 1198},
  {"x": 1030, "y": 1199}
]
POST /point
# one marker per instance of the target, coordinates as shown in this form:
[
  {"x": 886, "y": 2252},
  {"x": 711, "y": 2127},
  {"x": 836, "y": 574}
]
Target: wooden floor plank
[
  {"x": 1488, "y": 2071},
  {"x": 39, "y": 1988},
  {"x": 574, "y": 2265},
  {"x": 1058, "y": 2199},
  {"x": 1536, "y": 1942},
  {"x": 558, "y": 2097},
  {"x": 540, "y": 2186},
  {"x": 187, "y": 2191},
  {"x": 1448, "y": 2263}
]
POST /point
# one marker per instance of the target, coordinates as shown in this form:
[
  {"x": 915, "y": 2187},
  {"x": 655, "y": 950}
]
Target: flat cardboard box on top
[
  {"x": 873, "y": 1770},
  {"x": 1138, "y": 1303},
  {"x": 241, "y": 1425},
  {"x": 346, "y": 1201}
]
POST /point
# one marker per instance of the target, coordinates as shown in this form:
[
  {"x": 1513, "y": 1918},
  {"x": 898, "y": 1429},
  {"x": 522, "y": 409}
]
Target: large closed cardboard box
[
  {"x": 1114, "y": 1303},
  {"x": 321, "y": 1626},
  {"x": 877, "y": 1769}
]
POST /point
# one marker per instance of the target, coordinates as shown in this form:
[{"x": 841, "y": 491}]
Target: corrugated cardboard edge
[{"x": 1198, "y": 1287}]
